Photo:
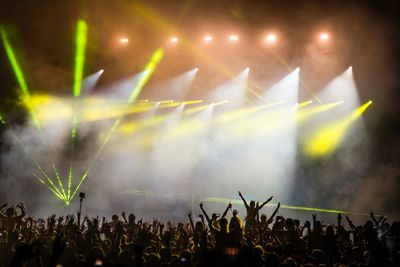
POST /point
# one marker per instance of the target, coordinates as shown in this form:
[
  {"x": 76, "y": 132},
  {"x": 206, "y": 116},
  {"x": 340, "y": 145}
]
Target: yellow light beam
[{"x": 325, "y": 141}]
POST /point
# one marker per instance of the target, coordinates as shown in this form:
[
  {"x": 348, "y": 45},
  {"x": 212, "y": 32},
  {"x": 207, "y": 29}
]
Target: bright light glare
[
  {"x": 233, "y": 38},
  {"x": 271, "y": 38},
  {"x": 208, "y": 39},
  {"x": 124, "y": 40},
  {"x": 324, "y": 37},
  {"x": 174, "y": 40}
]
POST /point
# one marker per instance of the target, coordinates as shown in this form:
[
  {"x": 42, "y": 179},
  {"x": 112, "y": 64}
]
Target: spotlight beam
[
  {"x": 325, "y": 141},
  {"x": 154, "y": 19}
]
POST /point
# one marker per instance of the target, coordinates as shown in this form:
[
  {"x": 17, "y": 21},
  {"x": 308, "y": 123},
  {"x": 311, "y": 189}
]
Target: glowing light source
[
  {"x": 124, "y": 40},
  {"x": 324, "y": 37},
  {"x": 271, "y": 38},
  {"x": 233, "y": 38},
  {"x": 174, "y": 40},
  {"x": 208, "y": 39}
]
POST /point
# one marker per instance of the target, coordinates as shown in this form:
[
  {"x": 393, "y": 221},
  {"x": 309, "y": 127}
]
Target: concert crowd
[{"x": 232, "y": 239}]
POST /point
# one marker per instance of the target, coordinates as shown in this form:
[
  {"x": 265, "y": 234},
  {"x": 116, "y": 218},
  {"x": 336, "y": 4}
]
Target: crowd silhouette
[{"x": 258, "y": 240}]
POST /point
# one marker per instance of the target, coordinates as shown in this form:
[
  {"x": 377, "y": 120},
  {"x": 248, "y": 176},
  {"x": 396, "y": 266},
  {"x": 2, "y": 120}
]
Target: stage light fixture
[
  {"x": 174, "y": 40},
  {"x": 208, "y": 39},
  {"x": 324, "y": 37},
  {"x": 233, "y": 38},
  {"x": 124, "y": 40},
  {"x": 271, "y": 38}
]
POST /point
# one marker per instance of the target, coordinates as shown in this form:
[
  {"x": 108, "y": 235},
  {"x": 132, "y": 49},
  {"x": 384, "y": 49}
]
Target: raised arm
[
  {"x": 271, "y": 218},
  {"x": 205, "y": 213},
  {"x": 124, "y": 217},
  {"x": 244, "y": 201},
  {"x": 3, "y": 206},
  {"x": 371, "y": 214},
  {"x": 350, "y": 223},
  {"x": 263, "y": 204},
  {"x": 22, "y": 209},
  {"x": 191, "y": 221},
  {"x": 226, "y": 210}
]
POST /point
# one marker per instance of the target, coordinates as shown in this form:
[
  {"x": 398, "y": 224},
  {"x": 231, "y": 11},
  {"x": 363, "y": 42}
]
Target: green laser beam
[
  {"x": 103, "y": 145},
  {"x": 149, "y": 69},
  {"x": 44, "y": 183},
  {"x": 299, "y": 208},
  {"x": 80, "y": 42},
  {"x": 4, "y": 123},
  {"x": 148, "y": 72},
  {"x": 25, "y": 90},
  {"x": 13, "y": 61}
]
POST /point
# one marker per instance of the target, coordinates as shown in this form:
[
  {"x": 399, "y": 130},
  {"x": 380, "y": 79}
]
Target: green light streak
[
  {"x": 148, "y": 72},
  {"x": 44, "y": 183},
  {"x": 3, "y": 122},
  {"x": 25, "y": 91},
  {"x": 14, "y": 63},
  {"x": 110, "y": 133},
  {"x": 149, "y": 69},
  {"x": 80, "y": 42},
  {"x": 299, "y": 208},
  {"x": 69, "y": 182},
  {"x": 19, "y": 75}
]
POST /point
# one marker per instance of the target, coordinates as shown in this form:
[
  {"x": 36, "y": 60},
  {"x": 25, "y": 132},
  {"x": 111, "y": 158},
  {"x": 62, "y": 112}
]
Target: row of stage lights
[{"x": 269, "y": 39}]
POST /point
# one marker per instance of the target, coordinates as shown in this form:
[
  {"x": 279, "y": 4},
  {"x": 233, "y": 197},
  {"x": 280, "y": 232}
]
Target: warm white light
[
  {"x": 324, "y": 37},
  {"x": 124, "y": 40},
  {"x": 174, "y": 40},
  {"x": 101, "y": 71},
  {"x": 233, "y": 38},
  {"x": 271, "y": 38},
  {"x": 208, "y": 39}
]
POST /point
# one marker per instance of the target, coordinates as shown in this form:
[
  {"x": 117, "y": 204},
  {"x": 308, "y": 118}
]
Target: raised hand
[{"x": 229, "y": 205}]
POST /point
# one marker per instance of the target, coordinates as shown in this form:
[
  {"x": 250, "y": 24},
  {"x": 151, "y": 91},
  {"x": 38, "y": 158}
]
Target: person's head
[
  {"x": 289, "y": 224},
  {"x": 10, "y": 212},
  {"x": 252, "y": 204},
  {"x": 199, "y": 227},
  {"x": 318, "y": 227},
  {"x": 115, "y": 217},
  {"x": 131, "y": 218},
  {"x": 329, "y": 231},
  {"x": 223, "y": 223},
  {"x": 263, "y": 218},
  {"x": 214, "y": 216},
  {"x": 235, "y": 224},
  {"x": 368, "y": 226}
]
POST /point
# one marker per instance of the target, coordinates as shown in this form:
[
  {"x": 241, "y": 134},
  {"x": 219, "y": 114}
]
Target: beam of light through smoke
[
  {"x": 26, "y": 96},
  {"x": 149, "y": 69},
  {"x": 326, "y": 140},
  {"x": 80, "y": 47}
]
